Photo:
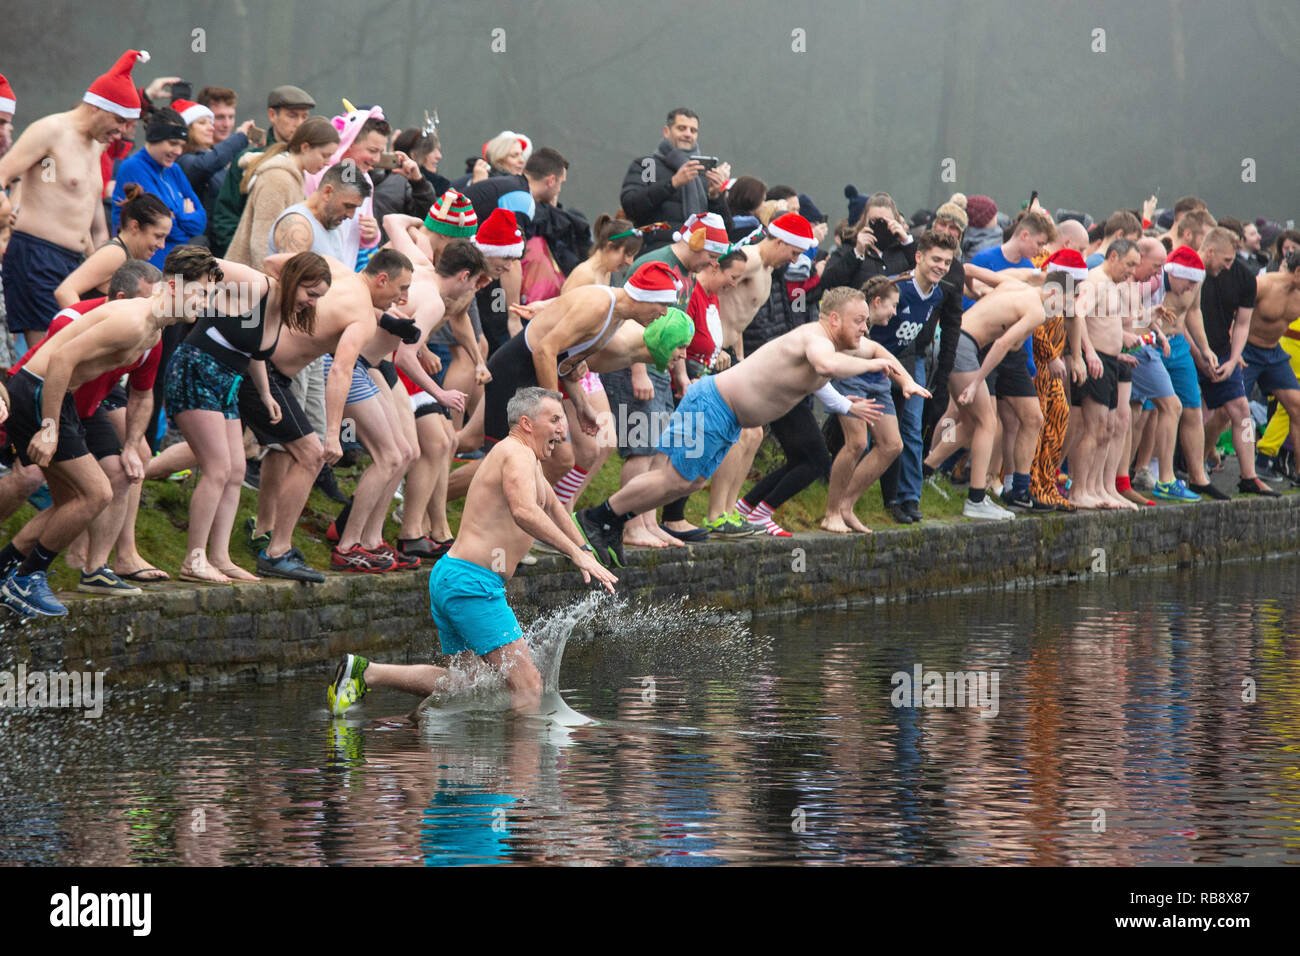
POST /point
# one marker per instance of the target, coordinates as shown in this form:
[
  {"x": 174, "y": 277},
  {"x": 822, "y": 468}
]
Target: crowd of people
[{"x": 246, "y": 303}]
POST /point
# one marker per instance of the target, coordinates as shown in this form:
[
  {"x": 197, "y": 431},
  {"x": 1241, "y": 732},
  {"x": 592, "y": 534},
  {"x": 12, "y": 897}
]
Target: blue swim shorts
[
  {"x": 469, "y": 608},
  {"x": 700, "y": 432},
  {"x": 363, "y": 387}
]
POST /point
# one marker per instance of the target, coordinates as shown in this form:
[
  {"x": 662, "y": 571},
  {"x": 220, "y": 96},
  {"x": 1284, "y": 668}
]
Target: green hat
[
  {"x": 452, "y": 215},
  {"x": 671, "y": 331}
]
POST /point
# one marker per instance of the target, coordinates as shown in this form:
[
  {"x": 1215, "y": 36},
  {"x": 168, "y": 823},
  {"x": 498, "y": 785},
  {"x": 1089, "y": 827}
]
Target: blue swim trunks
[
  {"x": 1270, "y": 368},
  {"x": 469, "y": 608},
  {"x": 1150, "y": 377},
  {"x": 32, "y": 269},
  {"x": 700, "y": 432},
  {"x": 1182, "y": 373},
  {"x": 363, "y": 387}
]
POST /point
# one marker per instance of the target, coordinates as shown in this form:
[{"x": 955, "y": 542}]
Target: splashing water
[{"x": 661, "y": 630}]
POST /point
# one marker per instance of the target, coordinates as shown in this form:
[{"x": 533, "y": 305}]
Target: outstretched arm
[{"x": 825, "y": 360}]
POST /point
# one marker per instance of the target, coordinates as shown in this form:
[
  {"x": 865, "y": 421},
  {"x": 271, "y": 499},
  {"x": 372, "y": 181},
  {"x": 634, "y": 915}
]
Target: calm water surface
[{"x": 1121, "y": 737}]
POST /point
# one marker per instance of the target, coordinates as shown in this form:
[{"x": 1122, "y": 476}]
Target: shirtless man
[
  {"x": 993, "y": 327},
  {"x": 510, "y": 503},
  {"x": 1096, "y": 344},
  {"x": 737, "y": 307},
  {"x": 1155, "y": 431},
  {"x": 1179, "y": 314},
  {"x": 57, "y": 158},
  {"x": 386, "y": 423},
  {"x": 806, "y": 457},
  {"x": 451, "y": 217},
  {"x": 1277, "y": 305},
  {"x": 345, "y": 322},
  {"x": 555, "y": 343},
  {"x": 46, "y": 431},
  {"x": 765, "y": 386}
]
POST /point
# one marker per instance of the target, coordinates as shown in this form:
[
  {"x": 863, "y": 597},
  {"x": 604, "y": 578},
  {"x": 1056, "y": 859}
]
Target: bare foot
[
  {"x": 835, "y": 523},
  {"x": 236, "y": 573},
  {"x": 641, "y": 538},
  {"x": 854, "y": 522},
  {"x": 668, "y": 540},
  {"x": 1082, "y": 500},
  {"x": 204, "y": 573}
]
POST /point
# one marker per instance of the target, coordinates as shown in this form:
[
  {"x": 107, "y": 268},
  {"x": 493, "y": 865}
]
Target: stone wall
[{"x": 184, "y": 636}]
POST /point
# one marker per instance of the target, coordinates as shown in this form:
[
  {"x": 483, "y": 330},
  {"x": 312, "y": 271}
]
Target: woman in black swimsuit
[
  {"x": 235, "y": 338},
  {"x": 146, "y": 223}
]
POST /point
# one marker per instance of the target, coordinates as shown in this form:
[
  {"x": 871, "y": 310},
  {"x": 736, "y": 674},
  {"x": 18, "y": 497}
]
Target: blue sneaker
[
  {"x": 30, "y": 596},
  {"x": 291, "y": 565},
  {"x": 1175, "y": 490}
]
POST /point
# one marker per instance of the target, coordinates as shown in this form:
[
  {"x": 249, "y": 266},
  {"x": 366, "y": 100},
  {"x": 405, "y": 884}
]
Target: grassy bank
[{"x": 164, "y": 514}]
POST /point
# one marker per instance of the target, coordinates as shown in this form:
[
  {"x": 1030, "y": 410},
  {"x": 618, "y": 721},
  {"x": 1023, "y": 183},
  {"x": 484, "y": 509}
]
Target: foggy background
[{"x": 1011, "y": 91}]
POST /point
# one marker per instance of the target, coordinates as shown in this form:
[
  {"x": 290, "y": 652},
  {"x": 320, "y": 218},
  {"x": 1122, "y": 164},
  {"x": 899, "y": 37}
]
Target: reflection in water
[{"x": 1142, "y": 720}]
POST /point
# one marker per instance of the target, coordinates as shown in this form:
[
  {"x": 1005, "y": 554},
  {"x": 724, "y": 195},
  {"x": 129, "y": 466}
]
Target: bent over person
[{"x": 509, "y": 503}]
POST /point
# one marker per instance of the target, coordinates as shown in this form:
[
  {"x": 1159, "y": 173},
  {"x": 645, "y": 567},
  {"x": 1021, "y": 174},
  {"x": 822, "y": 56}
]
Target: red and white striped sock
[
  {"x": 567, "y": 488},
  {"x": 762, "y": 516},
  {"x": 744, "y": 509}
]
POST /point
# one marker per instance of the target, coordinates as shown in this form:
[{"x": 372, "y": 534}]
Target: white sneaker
[
  {"x": 1143, "y": 480},
  {"x": 985, "y": 510}
]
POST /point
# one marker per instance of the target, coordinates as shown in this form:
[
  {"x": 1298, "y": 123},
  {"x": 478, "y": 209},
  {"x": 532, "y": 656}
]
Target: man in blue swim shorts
[
  {"x": 467, "y": 588},
  {"x": 758, "y": 390}
]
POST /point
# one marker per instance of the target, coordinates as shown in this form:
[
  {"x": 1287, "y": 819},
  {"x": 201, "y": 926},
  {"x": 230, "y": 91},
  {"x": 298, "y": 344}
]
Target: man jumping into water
[
  {"x": 762, "y": 388},
  {"x": 467, "y": 589}
]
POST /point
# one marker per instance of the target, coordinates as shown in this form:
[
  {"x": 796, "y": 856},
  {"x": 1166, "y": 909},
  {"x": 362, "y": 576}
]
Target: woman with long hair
[
  {"x": 234, "y": 338},
  {"x": 275, "y": 180},
  {"x": 145, "y": 223}
]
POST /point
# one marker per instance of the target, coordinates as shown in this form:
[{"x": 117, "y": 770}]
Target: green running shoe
[
  {"x": 731, "y": 525},
  {"x": 349, "y": 684}
]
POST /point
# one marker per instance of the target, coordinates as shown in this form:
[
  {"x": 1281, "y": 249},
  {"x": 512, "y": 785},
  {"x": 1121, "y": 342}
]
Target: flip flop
[
  {"x": 695, "y": 534},
  {"x": 143, "y": 576},
  {"x": 194, "y": 578}
]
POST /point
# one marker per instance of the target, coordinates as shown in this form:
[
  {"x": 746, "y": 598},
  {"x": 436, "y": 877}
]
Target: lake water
[{"x": 1148, "y": 719}]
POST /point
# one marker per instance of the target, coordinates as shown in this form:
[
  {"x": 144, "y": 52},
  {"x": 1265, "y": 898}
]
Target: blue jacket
[{"x": 173, "y": 187}]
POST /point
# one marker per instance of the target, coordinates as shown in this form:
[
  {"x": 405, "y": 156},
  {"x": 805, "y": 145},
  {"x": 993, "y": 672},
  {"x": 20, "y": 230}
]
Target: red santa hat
[
  {"x": 1069, "y": 261},
  {"x": 704, "y": 231},
  {"x": 191, "y": 111},
  {"x": 1184, "y": 263},
  {"x": 8, "y": 101},
  {"x": 499, "y": 236},
  {"x": 115, "y": 91},
  {"x": 655, "y": 282},
  {"x": 794, "y": 229}
]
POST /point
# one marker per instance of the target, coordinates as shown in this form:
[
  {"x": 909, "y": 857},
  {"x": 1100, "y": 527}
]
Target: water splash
[{"x": 671, "y": 630}]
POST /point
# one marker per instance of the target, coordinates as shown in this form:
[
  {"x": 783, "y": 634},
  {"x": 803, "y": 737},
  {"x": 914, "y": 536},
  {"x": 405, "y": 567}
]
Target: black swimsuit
[
  {"x": 99, "y": 293},
  {"x": 234, "y": 339}
]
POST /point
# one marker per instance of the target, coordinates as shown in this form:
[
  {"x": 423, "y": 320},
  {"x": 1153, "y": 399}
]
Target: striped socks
[
  {"x": 567, "y": 488},
  {"x": 761, "y": 515}
]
